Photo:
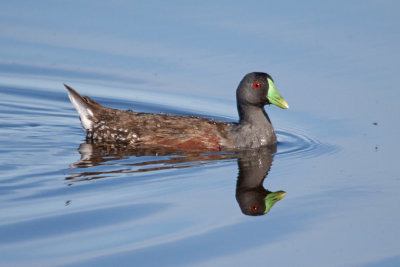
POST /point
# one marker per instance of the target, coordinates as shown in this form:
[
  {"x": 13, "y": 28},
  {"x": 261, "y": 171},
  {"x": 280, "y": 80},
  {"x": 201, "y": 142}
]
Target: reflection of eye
[
  {"x": 256, "y": 85},
  {"x": 254, "y": 207}
]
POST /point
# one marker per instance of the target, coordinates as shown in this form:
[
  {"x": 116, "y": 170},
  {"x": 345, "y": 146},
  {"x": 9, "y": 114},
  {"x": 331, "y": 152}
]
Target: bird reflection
[
  {"x": 253, "y": 164},
  {"x": 251, "y": 195}
]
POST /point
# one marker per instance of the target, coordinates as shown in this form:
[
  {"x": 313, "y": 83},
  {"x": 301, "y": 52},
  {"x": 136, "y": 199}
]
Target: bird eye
[
  {"x": 256, "y": 85},
  {"x": 254, "y": 208}
]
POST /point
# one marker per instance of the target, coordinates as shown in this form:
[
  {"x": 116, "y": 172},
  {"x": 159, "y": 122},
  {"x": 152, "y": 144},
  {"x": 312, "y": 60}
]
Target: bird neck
[{"x": 255, "y": 115}]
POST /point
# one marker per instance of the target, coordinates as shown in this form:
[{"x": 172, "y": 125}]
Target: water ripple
[{"x": 293, "y": 143}]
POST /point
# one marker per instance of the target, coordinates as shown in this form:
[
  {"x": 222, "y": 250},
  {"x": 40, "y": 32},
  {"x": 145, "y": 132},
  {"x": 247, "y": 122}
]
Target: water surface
[{"x": 66, "y": 202}]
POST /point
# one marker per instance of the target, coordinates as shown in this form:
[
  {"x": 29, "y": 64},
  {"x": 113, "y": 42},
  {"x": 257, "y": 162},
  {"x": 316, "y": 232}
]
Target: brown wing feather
[{"x": 145, "y": 129}]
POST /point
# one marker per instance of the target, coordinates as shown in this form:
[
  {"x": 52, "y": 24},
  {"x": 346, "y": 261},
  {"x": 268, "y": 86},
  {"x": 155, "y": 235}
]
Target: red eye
[
  {"x": 256, "y": 85},
  {"x": 254, "y": 208}
]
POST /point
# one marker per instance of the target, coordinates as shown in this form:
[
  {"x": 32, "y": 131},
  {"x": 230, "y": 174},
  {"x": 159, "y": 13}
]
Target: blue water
[{"x": 65, "y": 202}]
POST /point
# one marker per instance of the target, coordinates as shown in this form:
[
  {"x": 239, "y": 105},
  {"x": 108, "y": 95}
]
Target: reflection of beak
[
  {"x": 274, "y": 97},
  {"x": 272, "y": 198}
]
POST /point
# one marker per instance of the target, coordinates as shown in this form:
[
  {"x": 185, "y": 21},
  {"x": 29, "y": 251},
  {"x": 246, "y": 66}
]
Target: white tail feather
[{"x": 84, "y": 112}]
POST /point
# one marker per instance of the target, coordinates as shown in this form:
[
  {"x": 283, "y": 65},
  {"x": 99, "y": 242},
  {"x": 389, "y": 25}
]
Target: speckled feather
[{"x": 146, "y": 129}]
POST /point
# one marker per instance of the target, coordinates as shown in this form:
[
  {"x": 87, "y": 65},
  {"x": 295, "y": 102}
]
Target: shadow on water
[{"x": 253, "y": 166}]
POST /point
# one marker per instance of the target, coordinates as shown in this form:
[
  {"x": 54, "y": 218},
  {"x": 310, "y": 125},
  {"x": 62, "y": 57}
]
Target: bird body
[{"x": 103, "y": 124}]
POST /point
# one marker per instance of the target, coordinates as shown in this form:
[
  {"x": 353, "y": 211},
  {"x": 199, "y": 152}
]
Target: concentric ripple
[{"x": 293, "y": 143}]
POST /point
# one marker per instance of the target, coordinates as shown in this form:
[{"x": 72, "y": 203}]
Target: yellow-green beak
[
  {"x": 274, "y": 97},
  {"x": 272, "y": 198}
]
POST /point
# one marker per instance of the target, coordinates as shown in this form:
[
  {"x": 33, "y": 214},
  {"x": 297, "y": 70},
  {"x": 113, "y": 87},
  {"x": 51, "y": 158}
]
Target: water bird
[{"x": 188, "y": 133}]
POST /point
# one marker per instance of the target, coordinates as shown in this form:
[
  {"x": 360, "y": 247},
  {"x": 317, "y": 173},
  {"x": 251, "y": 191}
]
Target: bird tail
[{"x": 85, "y": 107}]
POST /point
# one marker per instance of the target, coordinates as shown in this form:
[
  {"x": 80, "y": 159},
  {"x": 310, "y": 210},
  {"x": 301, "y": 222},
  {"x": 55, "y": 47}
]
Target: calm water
[{"x": 65, "y": 202}]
